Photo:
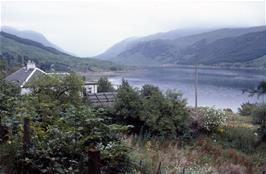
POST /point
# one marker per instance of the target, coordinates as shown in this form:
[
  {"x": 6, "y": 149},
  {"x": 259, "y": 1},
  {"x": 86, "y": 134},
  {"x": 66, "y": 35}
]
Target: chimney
[{"x": 30, "y": 65}]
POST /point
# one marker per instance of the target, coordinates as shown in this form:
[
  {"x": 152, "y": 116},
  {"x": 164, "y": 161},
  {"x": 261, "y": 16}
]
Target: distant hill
[
  {"x": 16, "y": 51},
  {"x": 128, "y": 43},
  {"x": 223, "y": 46},
  {"x": 32, "y": 35}
]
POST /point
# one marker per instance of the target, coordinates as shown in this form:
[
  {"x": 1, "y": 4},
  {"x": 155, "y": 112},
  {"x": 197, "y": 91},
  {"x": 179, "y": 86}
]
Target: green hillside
[
  {"x": 230, "y": 47},
  {"x": 16, "y": 51}
]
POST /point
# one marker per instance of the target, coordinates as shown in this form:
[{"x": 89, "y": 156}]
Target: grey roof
[
  {"x": 21, "y": 75},
  {"x": 91, "y": 83},
  {"x": 102, "y": 98}
]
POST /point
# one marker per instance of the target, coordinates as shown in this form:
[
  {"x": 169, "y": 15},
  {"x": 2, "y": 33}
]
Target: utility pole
[{"x": 196, "y": 89}]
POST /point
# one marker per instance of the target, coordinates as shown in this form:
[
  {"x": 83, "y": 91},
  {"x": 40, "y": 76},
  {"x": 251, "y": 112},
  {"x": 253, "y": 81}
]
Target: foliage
[
  {"x": 246, "y": 108},
  {"x": 104, "y": 85},
  {"x": 260, "y": 90},
  {"x": 62, "y": 131},
  {"x": 259, "y": 117},
  {"x": 149, "y": 110},
  {"x": 164, "y": 115},
  {"x": 241, "y": 138},
  {"x": 128, "y": 105},
  {"x": 9, "y": 93},
  {"x": 58, "y": 88},
  {"x": 201, "y": 156},
  {"x": 211, "y": 118},
  {"x": 259, "y": 114}
]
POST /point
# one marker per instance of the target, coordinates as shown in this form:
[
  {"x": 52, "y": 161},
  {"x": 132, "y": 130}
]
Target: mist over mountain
[
  {"x": 220, "y": 46},
  {"x": 32, "y": 35},
  {"x": 16, "y": 51},
  {"x": 128, "y": 43}
]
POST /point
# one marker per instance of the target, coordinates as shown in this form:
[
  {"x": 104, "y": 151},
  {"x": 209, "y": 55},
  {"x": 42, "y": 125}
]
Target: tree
[
  {"x": 164, "y": 114},
  {"x": 150, "y": 110},
  {"x": 148, "y": 90},
  {"x": 128, "y": 105},
  {"x": 259, "y": 90},
  {"x": 104, "y": 85},
  {"x": 246, "y": 108},
  {"x": 9, "y": 94},
  {"x": 66, "y": 89}
]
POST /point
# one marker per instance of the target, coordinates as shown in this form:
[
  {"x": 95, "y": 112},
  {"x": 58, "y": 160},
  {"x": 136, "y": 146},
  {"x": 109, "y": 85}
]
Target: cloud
[{"x": 87, "y": 28}]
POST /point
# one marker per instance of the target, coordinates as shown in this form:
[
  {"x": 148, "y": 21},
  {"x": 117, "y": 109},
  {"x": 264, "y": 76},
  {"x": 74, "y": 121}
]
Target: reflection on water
[{"x": 217, "y": 87}]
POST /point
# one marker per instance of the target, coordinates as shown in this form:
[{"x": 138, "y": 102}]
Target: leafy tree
[
  {"x": 148, "y": 90},
  {"x": 66, "y": 89},
  {"x": 164, "y": 115},
  {"x": 260, "y": 90},
  {"x": 128, "y": 106},
  {"x": 149, "y": 110},
  {"x": 259, "y": 113},
  {"x": 104, "y": 85},
  {"x": 259, "y": 117},
  {"x": 9, "y": 94},
  {"x": 246, "y": 108}
]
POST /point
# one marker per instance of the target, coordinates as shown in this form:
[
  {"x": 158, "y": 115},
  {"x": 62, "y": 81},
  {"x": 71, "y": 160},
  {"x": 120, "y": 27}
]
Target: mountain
[
  {"x": 223, "y": 46},
  {"x": 16, "y": 51},
  {"x": 32, "y": 35},
  {"x": 128, "y": 43}
]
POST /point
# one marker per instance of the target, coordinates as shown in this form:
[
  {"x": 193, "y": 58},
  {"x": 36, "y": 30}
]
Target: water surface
[{"x": 218, "y": 87}]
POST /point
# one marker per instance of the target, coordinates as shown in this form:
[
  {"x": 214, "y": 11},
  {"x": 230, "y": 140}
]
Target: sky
[{"x": 89, "y": 27}]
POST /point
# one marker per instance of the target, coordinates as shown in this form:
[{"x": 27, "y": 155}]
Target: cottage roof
[
  {"x": 24, "y": 75},
  {"x": 102, "y": 99}
]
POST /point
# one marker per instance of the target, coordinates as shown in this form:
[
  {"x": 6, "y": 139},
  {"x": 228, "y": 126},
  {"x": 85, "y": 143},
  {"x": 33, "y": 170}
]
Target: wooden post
[
  {"x": 184, "y": 170},
  {"x": 159, "y": 169},
  {"x": 196, "y": 89},
  {"x": 26, "y": 135},
  {"x": 94, "y": 161}
]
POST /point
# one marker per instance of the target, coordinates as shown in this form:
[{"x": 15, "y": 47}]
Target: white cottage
[
  {"x": 25, "y": 75},
  {"x": 91, "y": 87}
]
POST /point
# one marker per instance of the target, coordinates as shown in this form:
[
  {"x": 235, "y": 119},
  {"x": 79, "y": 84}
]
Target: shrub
[
  {"x": 104, "y": 85},
  {"x": 211, "y": 118},
  {"x": 259, "y": 114},
  {"x": 127, "y": 106},
  {"x": 151, "y": 111},
  {"x": 246, "y": 108},
  {"x": 259, "y": 117},
  {"x": 240, "y": 138}
]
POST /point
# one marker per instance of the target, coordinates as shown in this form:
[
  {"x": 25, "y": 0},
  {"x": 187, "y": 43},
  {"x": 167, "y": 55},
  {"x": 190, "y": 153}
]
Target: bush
[
  {"x": 127, "y": 106},
  {"x": 259, "y": 117},
  {"x": 246, "y": 108},
  {"x": 259, "y": 114},
  {"x": 209, "y": 119},
  {"x": 151, "y": 111},
  {"x": 240, "y": 138},
  {"x": 104, "y": 85}
]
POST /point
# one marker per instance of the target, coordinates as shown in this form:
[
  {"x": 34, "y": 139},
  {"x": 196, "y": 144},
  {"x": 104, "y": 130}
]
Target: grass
[{"x": 231, "y": 152}]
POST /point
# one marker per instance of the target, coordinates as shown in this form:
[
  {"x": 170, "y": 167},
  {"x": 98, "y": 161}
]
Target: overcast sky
[{"x": 88, "y": 28}]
